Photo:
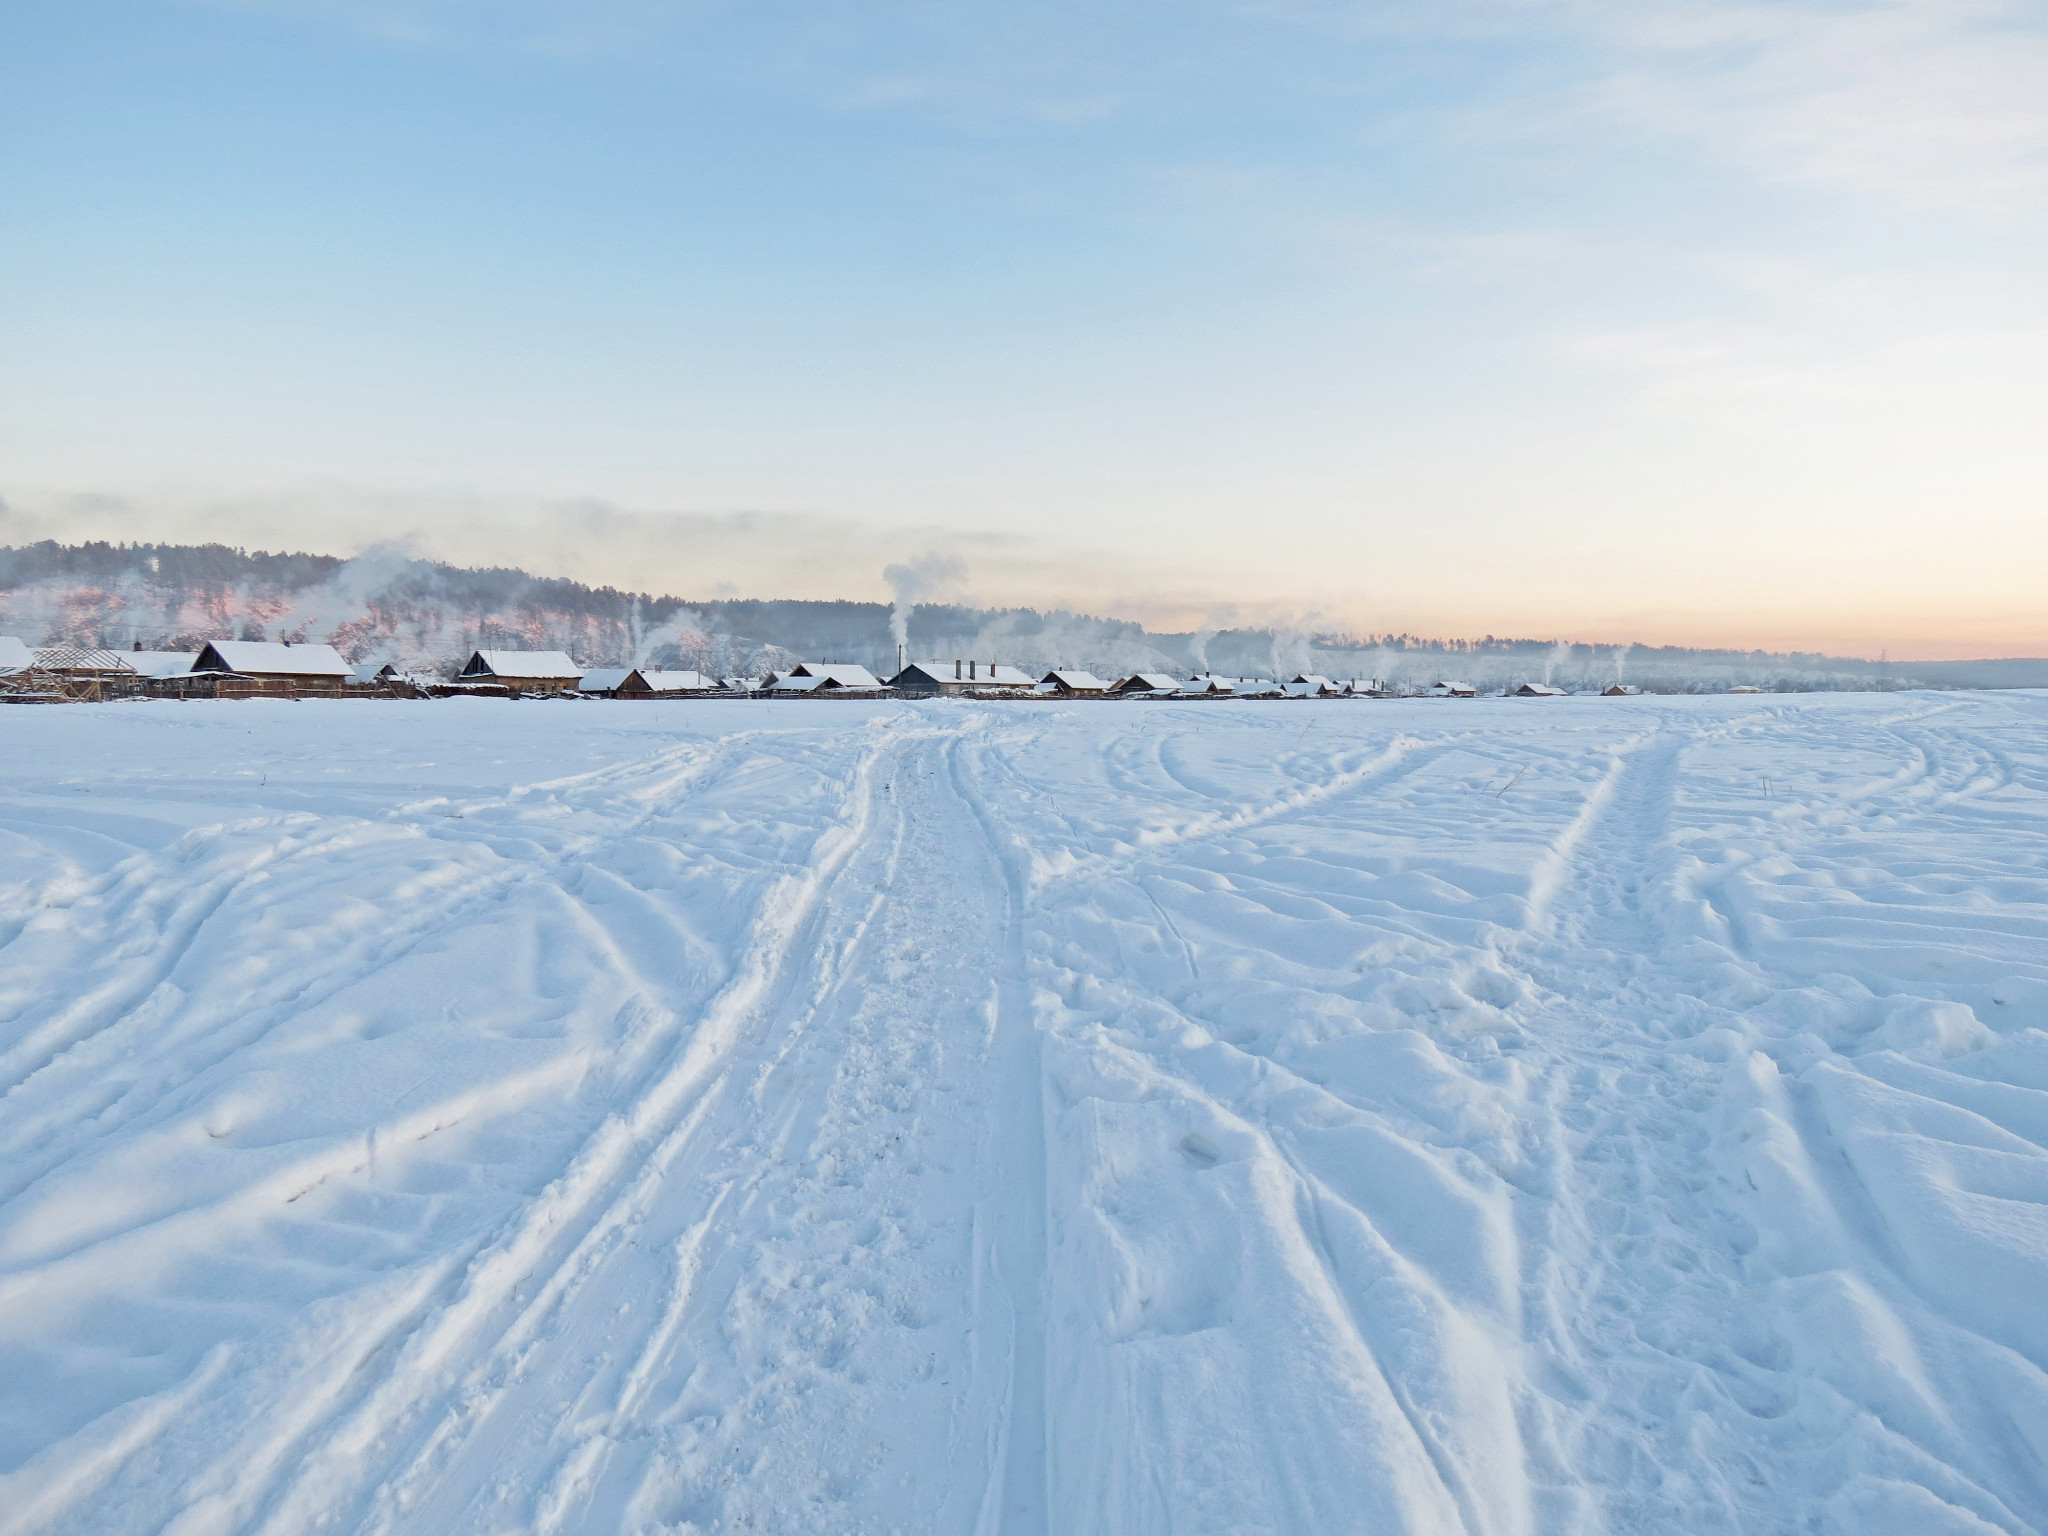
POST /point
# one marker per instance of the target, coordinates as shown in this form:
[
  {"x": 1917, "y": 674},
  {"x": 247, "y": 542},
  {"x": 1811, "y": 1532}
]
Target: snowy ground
[{"x": 1546, "y": 1116}]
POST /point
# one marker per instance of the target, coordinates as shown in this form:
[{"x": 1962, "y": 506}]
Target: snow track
[{"x": 1522, "y": 1117}]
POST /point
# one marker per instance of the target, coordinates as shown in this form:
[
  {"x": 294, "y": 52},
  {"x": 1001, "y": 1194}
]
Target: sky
[{"x": 1673, "y": 321}]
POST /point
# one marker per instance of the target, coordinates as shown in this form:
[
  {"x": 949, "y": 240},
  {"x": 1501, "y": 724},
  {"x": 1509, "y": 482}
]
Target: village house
[
  {"x": 829, "y": 678},
  {"x": 1446, "y": 690},
  {"x": 648, "y": 684},
  {"x": 929, "y": 679},
  {"x": 1209, "y": 685},
  {"x": 523, "y": 671},
  {"x": 1258, "y": 688},
  {"x": 1620, "y": 691},
  {"x": 271, "y": 668},
  {"x": 274, "y": 661},
  {"x": 604, "y": 681},
  {"x": 1072, "y": 685},
  {"x": 1313, "y": 685},
  {"x": 1538, "y": 691},
  {"x": 1147, "y": 685}
]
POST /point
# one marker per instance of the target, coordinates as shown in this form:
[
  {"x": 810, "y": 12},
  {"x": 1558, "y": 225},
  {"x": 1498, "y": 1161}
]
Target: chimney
[
  {"x": 136, "y": 646},
  {"x": 899, "y": 658},
  {"x": 956, "y": 669},
  {"x": 970, "y": 671}
]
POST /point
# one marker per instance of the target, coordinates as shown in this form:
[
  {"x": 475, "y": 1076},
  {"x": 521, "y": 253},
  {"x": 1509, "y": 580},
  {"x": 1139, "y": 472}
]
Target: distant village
[{"x": 283, "y": 669}]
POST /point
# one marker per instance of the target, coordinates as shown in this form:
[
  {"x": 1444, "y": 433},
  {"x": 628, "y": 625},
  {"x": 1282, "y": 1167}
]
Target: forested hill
[{"x": 427, "y": 614}]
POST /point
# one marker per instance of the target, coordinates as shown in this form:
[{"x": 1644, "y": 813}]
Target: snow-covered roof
[
  {"x": 960, "y": 674},
  {"x": 15, "y": 656},
  {"x": 162, "y": 663},
  {"x": 1209, "y": 683},
  {"x": 833, "y": 674},
  {"x": 739, "y": 684},
  {"x": 1313, "y": 679},
  {"x": 1446, "y": 688},
  {"x": 604, "y": 679},
  {"x": 1074, "y": 682},
  {"x": 1539, "y": 691},
  {"x": 1257, "y": 688},
  {"x": 1148, "y": 682},
  {"x": 538, "y": 666},
  {"x": 271, "y": 658},
  {"x": 80, "y": 658},
  {"x": 676, "y": 682}
]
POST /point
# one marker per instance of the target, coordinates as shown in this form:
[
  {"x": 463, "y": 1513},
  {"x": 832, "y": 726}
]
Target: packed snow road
[{"x": 1442, "y": 1116}]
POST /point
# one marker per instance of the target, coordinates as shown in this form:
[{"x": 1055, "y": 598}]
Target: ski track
[{"x": 1515, "y": 1117}]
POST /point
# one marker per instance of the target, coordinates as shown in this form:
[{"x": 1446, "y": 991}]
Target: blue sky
[{"x": 1663, "y": 320}]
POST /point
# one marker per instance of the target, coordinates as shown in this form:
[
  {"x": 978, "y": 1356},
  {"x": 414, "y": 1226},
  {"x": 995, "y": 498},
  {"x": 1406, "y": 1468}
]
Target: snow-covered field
[{"x": 1622, "y": 1115}]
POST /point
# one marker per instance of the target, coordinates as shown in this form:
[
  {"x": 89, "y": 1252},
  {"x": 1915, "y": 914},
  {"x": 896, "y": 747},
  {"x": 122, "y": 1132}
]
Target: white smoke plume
[
  {"x": 1218, "y": 620},
  {"x": 345, "y": 597},
  {"x": 685, "y": 629},
  {"x": 930, "y": 578},
  {"x": 1559, "y": 655},
  {"x": 1621, "y": 659}
]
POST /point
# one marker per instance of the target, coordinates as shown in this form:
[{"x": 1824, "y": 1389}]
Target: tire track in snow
[
  {"x": 39, "y": 1142},
  {"x": 453, "y": 1290},
  {"x": 1657, "y": 1348},
  {"x": 493, "y": 1374}
]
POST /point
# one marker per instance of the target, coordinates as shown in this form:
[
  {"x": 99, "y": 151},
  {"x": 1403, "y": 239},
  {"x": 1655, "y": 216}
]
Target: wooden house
[
  {"x": 645, "y": 683},
  {"x": 1313, "y": 685},
  {"x": 279, "y": 661},
  {"x": 1538, "y": 691},
  {"x": 1209, "y": 685},
  {"x": 523, "y": 671},
  {"x": 1072, "y": 685},
  {"x": 1448, "y": 690},
  {"x": 1147, "y": 685},
  {"x": 826, "y": 678},
  {"x": 929, "y": 679},
  {"x": 1620, "y": 691}
]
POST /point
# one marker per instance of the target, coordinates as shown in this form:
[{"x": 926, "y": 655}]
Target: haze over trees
[{"x": 425, "y": 614}]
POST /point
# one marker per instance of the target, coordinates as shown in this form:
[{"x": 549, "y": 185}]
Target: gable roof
[
  {"x": 15, "y": 656},
  {"x": 540, "y": 666},
  {"x": 1209, "y": 682},
  {"x": 271, "y": 658},
  {"x": 1075, "y": 682},
  {"x": 1539, "y": 691},
  {"x": 1148, "y": 682},
  {"x": 675, "y": 682},
  {"x": 80, "y": 658},
  {"x": 604, "y": 679},
  {"x": 833, "y": 674}
]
